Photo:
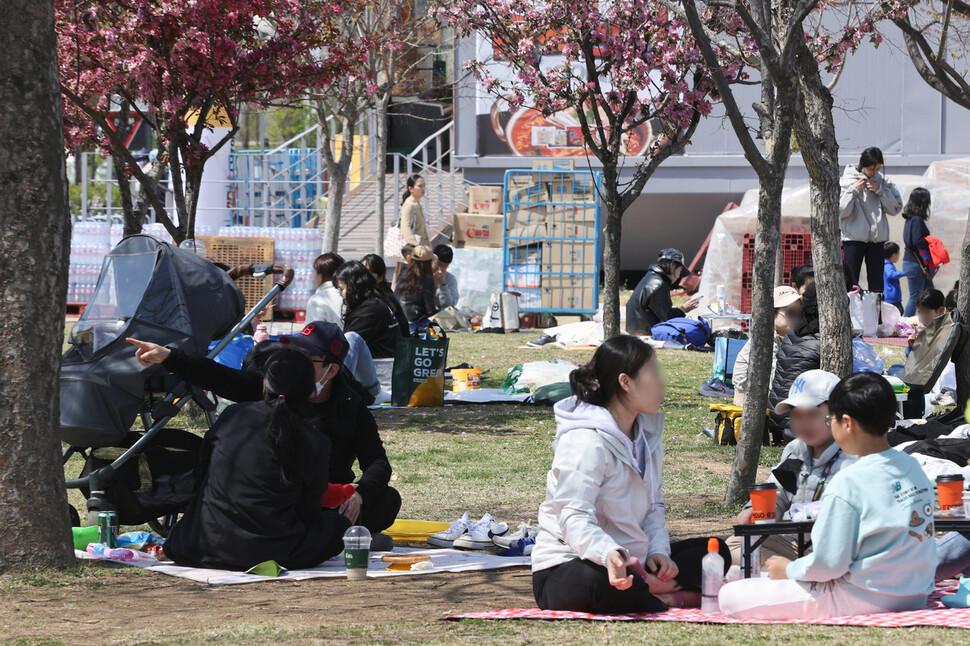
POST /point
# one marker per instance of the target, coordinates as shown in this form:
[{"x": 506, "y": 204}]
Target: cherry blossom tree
[
  {"x": 181, "y": 66},
  {"x": 618, "y": 66}
]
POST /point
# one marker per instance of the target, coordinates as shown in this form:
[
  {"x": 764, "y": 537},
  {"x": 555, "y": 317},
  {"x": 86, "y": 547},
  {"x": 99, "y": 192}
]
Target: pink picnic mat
[{"x": 934, "y": 615}]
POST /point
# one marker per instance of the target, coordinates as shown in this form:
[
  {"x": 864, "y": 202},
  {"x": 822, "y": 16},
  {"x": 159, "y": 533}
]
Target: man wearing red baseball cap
[{"x": 339, "y": 411}]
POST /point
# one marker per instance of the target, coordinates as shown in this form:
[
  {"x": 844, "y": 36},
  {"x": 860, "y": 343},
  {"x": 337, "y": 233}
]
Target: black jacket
[
  {"x": 392, "y": 298},
  {"x": 243, "y": 514},
  {"x": 374, "y": 321},
  {"x": 650, "y": 303},
  {"x": 796, "y": 355},
  {"x": 417, "y": 308},
  {"x": 344, "y": 419}
]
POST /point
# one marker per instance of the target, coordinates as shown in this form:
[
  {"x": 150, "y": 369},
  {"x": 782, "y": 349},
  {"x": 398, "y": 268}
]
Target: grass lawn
[{"x": 477, "y": 458}]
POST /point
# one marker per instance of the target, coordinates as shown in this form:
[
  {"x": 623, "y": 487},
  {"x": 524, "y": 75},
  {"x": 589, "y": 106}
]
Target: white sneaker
[
  {"x": 448, "y": 536},
  {"x": 525, "y": 531},
  {"x": 480, "y": 533},
  {"x": 382, "y": 398}
]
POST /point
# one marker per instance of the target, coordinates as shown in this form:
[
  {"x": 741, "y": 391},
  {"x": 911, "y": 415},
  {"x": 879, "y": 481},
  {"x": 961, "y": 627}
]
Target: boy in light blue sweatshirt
[{"x": 875, "y": 547}]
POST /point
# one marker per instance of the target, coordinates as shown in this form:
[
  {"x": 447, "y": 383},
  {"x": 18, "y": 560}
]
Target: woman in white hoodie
[
  {"x": 602, "y": 545},
  {"x": 867, "y": 198}
]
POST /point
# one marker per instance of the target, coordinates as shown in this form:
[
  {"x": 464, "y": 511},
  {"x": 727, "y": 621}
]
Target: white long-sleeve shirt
[{"x": 603, "y": 491}]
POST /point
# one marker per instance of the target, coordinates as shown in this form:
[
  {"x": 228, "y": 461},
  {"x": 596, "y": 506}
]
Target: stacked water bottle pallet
[{"x": 90, "y": 242}]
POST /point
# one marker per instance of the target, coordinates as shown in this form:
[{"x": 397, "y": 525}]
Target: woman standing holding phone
[{"x": 867, "y": 198}]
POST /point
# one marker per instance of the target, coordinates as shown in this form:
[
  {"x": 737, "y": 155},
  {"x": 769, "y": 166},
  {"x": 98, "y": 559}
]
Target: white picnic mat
[{"x": 443, "y": 560}]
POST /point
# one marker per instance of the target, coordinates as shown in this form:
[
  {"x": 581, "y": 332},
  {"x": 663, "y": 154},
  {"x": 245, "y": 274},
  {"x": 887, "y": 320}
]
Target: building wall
[{"x": 880, "y": 101}]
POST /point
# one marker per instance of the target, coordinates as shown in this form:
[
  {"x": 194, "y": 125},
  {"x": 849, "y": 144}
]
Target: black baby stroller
[{"x": 153, "y": 291}]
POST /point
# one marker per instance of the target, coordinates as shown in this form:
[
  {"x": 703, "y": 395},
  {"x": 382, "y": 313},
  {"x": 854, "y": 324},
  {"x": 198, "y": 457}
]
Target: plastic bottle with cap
[
  {"x": 712, "y": 577},
  {"x": 261, "y": 333}
]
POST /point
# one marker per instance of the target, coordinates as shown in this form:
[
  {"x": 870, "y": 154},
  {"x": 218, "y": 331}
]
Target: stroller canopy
[{"x": 149, "y": 290}]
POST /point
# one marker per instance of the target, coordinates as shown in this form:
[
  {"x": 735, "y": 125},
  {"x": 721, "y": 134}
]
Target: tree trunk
[
  {"x": 381, "y": 200},
  {"x": 611, "y": 271},
  {"x": 815, "y": 132},
  {"x": 962, "y": 359},
  {"x": 129, "y": 216},
  {"x": 748, "y": 452},
  {"x": 338, "y": 167},
  {"x": 335, "y": 201},
  {"x": 35, "y": 238},
  {"x": 612, "y": 231}
]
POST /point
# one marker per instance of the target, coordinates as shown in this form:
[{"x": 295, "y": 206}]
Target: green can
[{"x": 108, "y": 529}]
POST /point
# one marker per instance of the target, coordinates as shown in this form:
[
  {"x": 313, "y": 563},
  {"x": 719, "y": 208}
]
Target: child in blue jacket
[{"x": 891, "y": 292}]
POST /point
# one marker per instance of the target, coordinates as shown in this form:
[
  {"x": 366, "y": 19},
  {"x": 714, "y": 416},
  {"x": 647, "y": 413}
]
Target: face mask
[{"x": 320, "y": 385}]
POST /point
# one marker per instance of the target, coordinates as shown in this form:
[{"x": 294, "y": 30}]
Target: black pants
[
  {"x": 584, "y": 586},
  {"x": 873, "y": 255},
  {"x": 377, "y": 515}
]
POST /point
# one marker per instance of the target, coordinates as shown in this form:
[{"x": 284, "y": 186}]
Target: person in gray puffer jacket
[
  {"x": 867, "y": 198},
  {"x": 800, "y": 352}
]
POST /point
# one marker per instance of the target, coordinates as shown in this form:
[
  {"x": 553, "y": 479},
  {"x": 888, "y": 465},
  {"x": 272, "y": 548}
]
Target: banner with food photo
[{"x": 525, "y": 132}]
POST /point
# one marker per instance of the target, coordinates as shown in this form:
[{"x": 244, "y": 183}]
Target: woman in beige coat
[{"x": 414, "y": 228}]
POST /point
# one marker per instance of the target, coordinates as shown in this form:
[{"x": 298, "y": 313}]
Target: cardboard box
[
  {"x": 525, "y": 190},
  {"x": 529, "y": 298},
  {"x": 477, "y": 230},
  {"x": 569, "y": 257},
  {"x": 525, "y": 255},
  {"x": 485, "y": 199},
  {"x": 568, "y": 293},
  {"x": 573, "y": 230},
  {"x": 526, "y": 276},
  {"x": 527, "y": 234},
  {"x": 560, "y": 164},
  {"x": 572, "y": 189}
]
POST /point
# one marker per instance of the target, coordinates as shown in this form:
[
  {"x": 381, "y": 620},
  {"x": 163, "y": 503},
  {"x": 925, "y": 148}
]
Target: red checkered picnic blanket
[{"x": 934, "y": 615}]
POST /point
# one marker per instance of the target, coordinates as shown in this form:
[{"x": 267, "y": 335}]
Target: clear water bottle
[
  {"x": 357, "y": 552},
  {"x": 721, "y": 299},
  {"x": 756, "y": 562},
  {"x": 712, "y": 577}
]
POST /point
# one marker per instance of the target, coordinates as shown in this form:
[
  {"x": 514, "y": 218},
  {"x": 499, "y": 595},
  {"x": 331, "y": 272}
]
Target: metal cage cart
[{"x": 552, "y": 240}]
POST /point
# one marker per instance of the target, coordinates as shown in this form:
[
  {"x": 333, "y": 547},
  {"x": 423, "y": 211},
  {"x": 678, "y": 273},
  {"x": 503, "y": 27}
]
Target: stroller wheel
[
  {"x": 162, "y": 526},
  {"x": 75, "y": 517}
]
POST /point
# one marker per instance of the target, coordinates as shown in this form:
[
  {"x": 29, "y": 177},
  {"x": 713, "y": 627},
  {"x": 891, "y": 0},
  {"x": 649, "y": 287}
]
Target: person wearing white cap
[
  {"x": 788, "y": 311},
  {"x": 807, "y": 463}
]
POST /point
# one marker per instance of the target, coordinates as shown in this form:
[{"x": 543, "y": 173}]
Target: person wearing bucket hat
[
  {"x": 339, "y": 410},
  {"x": 808, "y": 462},
  {"x": 800, "y": 351},
  {"x": 788, "y": 311},
  {"x": 650, "y": 302},
  {"x": 416, "y": 287}
]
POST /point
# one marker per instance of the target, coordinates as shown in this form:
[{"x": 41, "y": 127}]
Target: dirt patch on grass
[{"x": 153, "y": 603}]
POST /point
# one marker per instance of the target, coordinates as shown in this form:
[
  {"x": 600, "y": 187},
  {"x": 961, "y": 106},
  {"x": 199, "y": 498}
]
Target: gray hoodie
[
  {"x": 603, "y": 492},
  {"x": 863, "y": 211}
]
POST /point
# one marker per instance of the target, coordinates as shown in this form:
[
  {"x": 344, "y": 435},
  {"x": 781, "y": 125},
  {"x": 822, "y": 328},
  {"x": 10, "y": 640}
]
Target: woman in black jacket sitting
[
  {"x": 416, "y": 287},
  {"x": 378, "y": 269},
  {"x": 367, "y": 313},
  {"x": 263, "y": 476},
  {"x": 800, "y": 351}
]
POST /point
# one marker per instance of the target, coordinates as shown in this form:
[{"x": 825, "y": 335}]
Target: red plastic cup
[
  {"x": 763, "y": 503},
  {"x": 950, "y": 490}
]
